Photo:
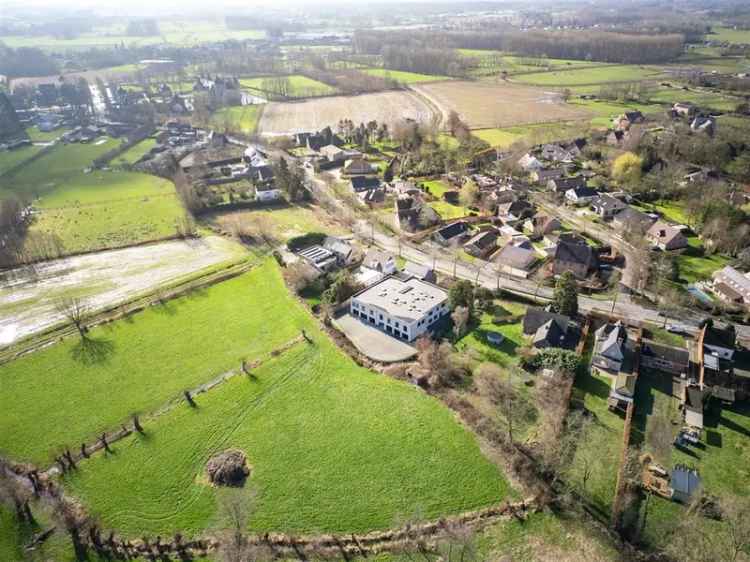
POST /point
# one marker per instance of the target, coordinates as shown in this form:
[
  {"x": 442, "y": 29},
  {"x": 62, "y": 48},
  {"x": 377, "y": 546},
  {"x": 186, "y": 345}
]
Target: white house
[
  {"x": 530, "y": 163},
  {"x": 581, "y": 195},
  {"x": 268, "y": 195},
  {"x": 403, "y": 309}
]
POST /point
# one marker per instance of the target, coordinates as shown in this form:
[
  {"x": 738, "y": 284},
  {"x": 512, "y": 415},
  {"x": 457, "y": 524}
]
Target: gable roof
[
  {"x": 606, "y": 202},
  {"x": 582, "y": 191},
  {"x": 362, "y": 183},
  {"x": 564, "y": 184},
  {"x": 536, "y": 317},
  {"x": 613, "y": 338},
  {"x": 720, "y": 337},
  {"x": 377, "y": 259},
  {"x": 516, "y": 257},
  {"x": 484, "y": 239},
  {"x": 633, "y": 217},
  {"x": 452, "y": 230},
  {"x": 664, "y": 232},
  {"x": 574, "y": 252},
  {"x": 550, "y": 333}
]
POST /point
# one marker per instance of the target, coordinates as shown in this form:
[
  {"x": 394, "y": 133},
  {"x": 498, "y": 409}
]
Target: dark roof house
[
  {"x": 451, "y": 233},
  {"x": 575, "y": 257}
]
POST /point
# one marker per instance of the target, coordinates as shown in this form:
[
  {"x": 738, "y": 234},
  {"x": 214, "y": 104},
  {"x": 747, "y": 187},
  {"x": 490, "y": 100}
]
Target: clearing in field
[
  {"x": 404, "y": 77},
  {"x": 299, "y": 86},
  {"x": 593, "y": 75},
  {"x": 485, "y": 105},
  {"x": 333, "y": 447},
  {"x": 313, "y": 115},
  {"x": 94, "y": 210}
]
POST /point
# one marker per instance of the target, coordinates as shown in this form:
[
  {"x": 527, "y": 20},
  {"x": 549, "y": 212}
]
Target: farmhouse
[
  {"x": 666, "y": 237},
  {"x": 607, "y": 206},
  {"x": 578, "y": 258},
  {"x": 731, "y": 285},
  {"x": 403, "y": 309}
]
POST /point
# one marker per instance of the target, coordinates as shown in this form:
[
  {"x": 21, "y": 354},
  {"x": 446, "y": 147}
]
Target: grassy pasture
[
  {"x": 11, "y": 158},
  {"x": 362, "y": 450},
  {"x": 241, "y": 119},
  {"x": 532, "y": 134},
  {"x": 402, "y": 76},
  {"x": 100, "y": 209},
  {"x": 448, "y": 211},
  {"x": 38, "y": 136},
  {"x": 730, "y": 35},
  {"x": 135, "y": 153},
  {"x": 299, "y": 86},
  {"x": 593, "y": 75}
]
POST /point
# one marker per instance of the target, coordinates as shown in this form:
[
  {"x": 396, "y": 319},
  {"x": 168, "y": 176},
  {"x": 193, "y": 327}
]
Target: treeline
[
  {"x": 351, "y": 81},
  {"x": 142, "y": 28},
  {"x": 604, "y": 46},
  {"x": 423, "y": 60},
  {"x": 26, "y": 61}
]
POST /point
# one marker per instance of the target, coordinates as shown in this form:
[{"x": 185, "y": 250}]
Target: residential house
[
  {"x": 404, "y": 309},
  {"x": 413, "y": 214},
  {"x": 581, "y": 196},
  {"x": 380, "y": 261},
  {"x": 320, "y": 258},
  {"x": 373, "y": 197},
  {"x": 548, "y": 328},
  {"x": 627, "y": 119},
  {"x": 453, "y": 233},
  {"x": 541, "y": 225},
  {"x": 561, "y": 185},
  {"x": 543, "y": 176},
  {"x": 515, "y": 211},
  {"x": 610, "y": 351},
  {"x": 530, "y": 163},
  {"x": 357, "y": 167},
  {"x": 422, "y": 272},
  {"x": 673, "y": 360},
  {"x": 516, "y": 260},
  {"x": 666, "y": 237},
  {"x": 341, "y": 249},
  {"x": 632, "y": 220},
  {"x": 607, "y": 206},
  {"x": 704, "y": 124},
  {"x": 482, "y": 244},
  {"x": 731, "y": 285},
  {"x": 333, "y": 153},
  {"x": 618, "y": 138},
  {"x": 578, "y": 258},
  {"x": 363, "y": 183},
  {"x": 719, "y": 342}
]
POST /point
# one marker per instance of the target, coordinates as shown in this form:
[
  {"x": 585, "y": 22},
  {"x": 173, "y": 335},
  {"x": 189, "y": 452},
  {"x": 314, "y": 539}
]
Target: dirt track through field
[
  {"x": 28, "y": 295},
  {"x": 312, "y": 115},
  {"x": 488, "y": 105}
]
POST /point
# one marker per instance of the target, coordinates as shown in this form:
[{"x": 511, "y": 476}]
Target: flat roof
[{"x": 410, "y": 299}]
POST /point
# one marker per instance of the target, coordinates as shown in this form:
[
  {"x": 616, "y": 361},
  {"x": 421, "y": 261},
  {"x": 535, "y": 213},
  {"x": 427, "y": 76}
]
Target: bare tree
[
  {"x": 71, "y": 516},
  {"x": 235, "y": 509},
  {"x": 460, "y": 317},
  {"x": 76, "y": 312},
  {"x": 498, "y": 388}
]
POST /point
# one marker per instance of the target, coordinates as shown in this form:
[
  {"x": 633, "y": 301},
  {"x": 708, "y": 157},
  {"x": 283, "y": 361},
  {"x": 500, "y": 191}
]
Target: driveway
[{"x": 377, "y": 345}]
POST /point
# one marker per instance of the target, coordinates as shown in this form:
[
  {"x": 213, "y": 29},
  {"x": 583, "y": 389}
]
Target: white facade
[
  {"x": 268, "y": 195},
  {"x": 402, "y": 309}
]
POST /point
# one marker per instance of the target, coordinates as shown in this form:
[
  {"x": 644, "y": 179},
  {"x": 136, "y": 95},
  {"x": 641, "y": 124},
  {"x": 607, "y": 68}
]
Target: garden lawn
[
  {"x": 696, "y": 266},
  {"x": 731, "y": 35},
  {"x": 299, "y": 86},
  {"x": 66, "y": 393},
  {"x": 241, "y": 119},
  {"x": 505, "y": 353},
  {"x": 135, "y": 153},
  {"x": 11, "y": 158},
  {"x": 447, "y": 211},
  {"x": 593, "y": 75},
  {"x": 38, "y": 136},
  {"x": 437, "y": 188},
  {"x": 404, "y": 77}
]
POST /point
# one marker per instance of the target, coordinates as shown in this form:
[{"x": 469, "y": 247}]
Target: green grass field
[
  {"x": 532, "y": 134},
  {"x": 333, "y": 447},
  {"x": 594, "y": 75},
  {"x": 505, "y": 353},
  {"x": 437, "y": 188},
  {"x": 95, "y": 210},
  {"x": 730, "y": 35},
  {"x": 11, "y": 158},
  {"x": 38, "y": 136},
  {"x": 404, "y": 77},
  {"x": 448, "y": 211},
  {"x": 708, "y": 100},
  {"x": 299, "y": 86},
  {"x": 241, "y": 119},
  {"x": 135, "y": 153}
]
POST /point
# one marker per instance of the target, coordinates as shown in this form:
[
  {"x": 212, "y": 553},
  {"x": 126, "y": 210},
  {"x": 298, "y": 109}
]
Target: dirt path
[{"x": 28, "y": 295}]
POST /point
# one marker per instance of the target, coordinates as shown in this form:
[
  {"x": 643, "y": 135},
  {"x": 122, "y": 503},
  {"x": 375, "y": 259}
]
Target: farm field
[
  {"x": 532, "y": 134},
  {"x": 100, "y": 209},
  {"x": 38, "y": 136},
  {"x": 11, "y": 158},
  {"x": 135, "y": 153},
  {"x": 283, "y": 221},
  {"x": 404, "y": 77},
  {"x": 241, "y": 119},
  {"x": 730, "y": 35},
  {"x": 593, "y": 75},
  {"x": 373, "y": 449},
  {"x": 709, "y": 100},
  {"x": 312, "y": 115},
  {"x": 299, "y": 86},
  {"x": 338, "y": 464},
  {"x": 103, "y": 279},
  {"x": 485, "y": 105}
]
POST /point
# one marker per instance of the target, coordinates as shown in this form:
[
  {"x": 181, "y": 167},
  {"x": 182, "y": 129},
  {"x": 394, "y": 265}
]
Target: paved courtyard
[{"x": 372, "y": 342}]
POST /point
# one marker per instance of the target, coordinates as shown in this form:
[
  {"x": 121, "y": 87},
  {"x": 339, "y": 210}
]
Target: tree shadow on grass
[{"x": 92, "y": 351}]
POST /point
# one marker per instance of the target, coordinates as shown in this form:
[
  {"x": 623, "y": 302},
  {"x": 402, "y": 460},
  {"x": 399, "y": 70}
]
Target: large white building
[{"x": 405, "y": 309}]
